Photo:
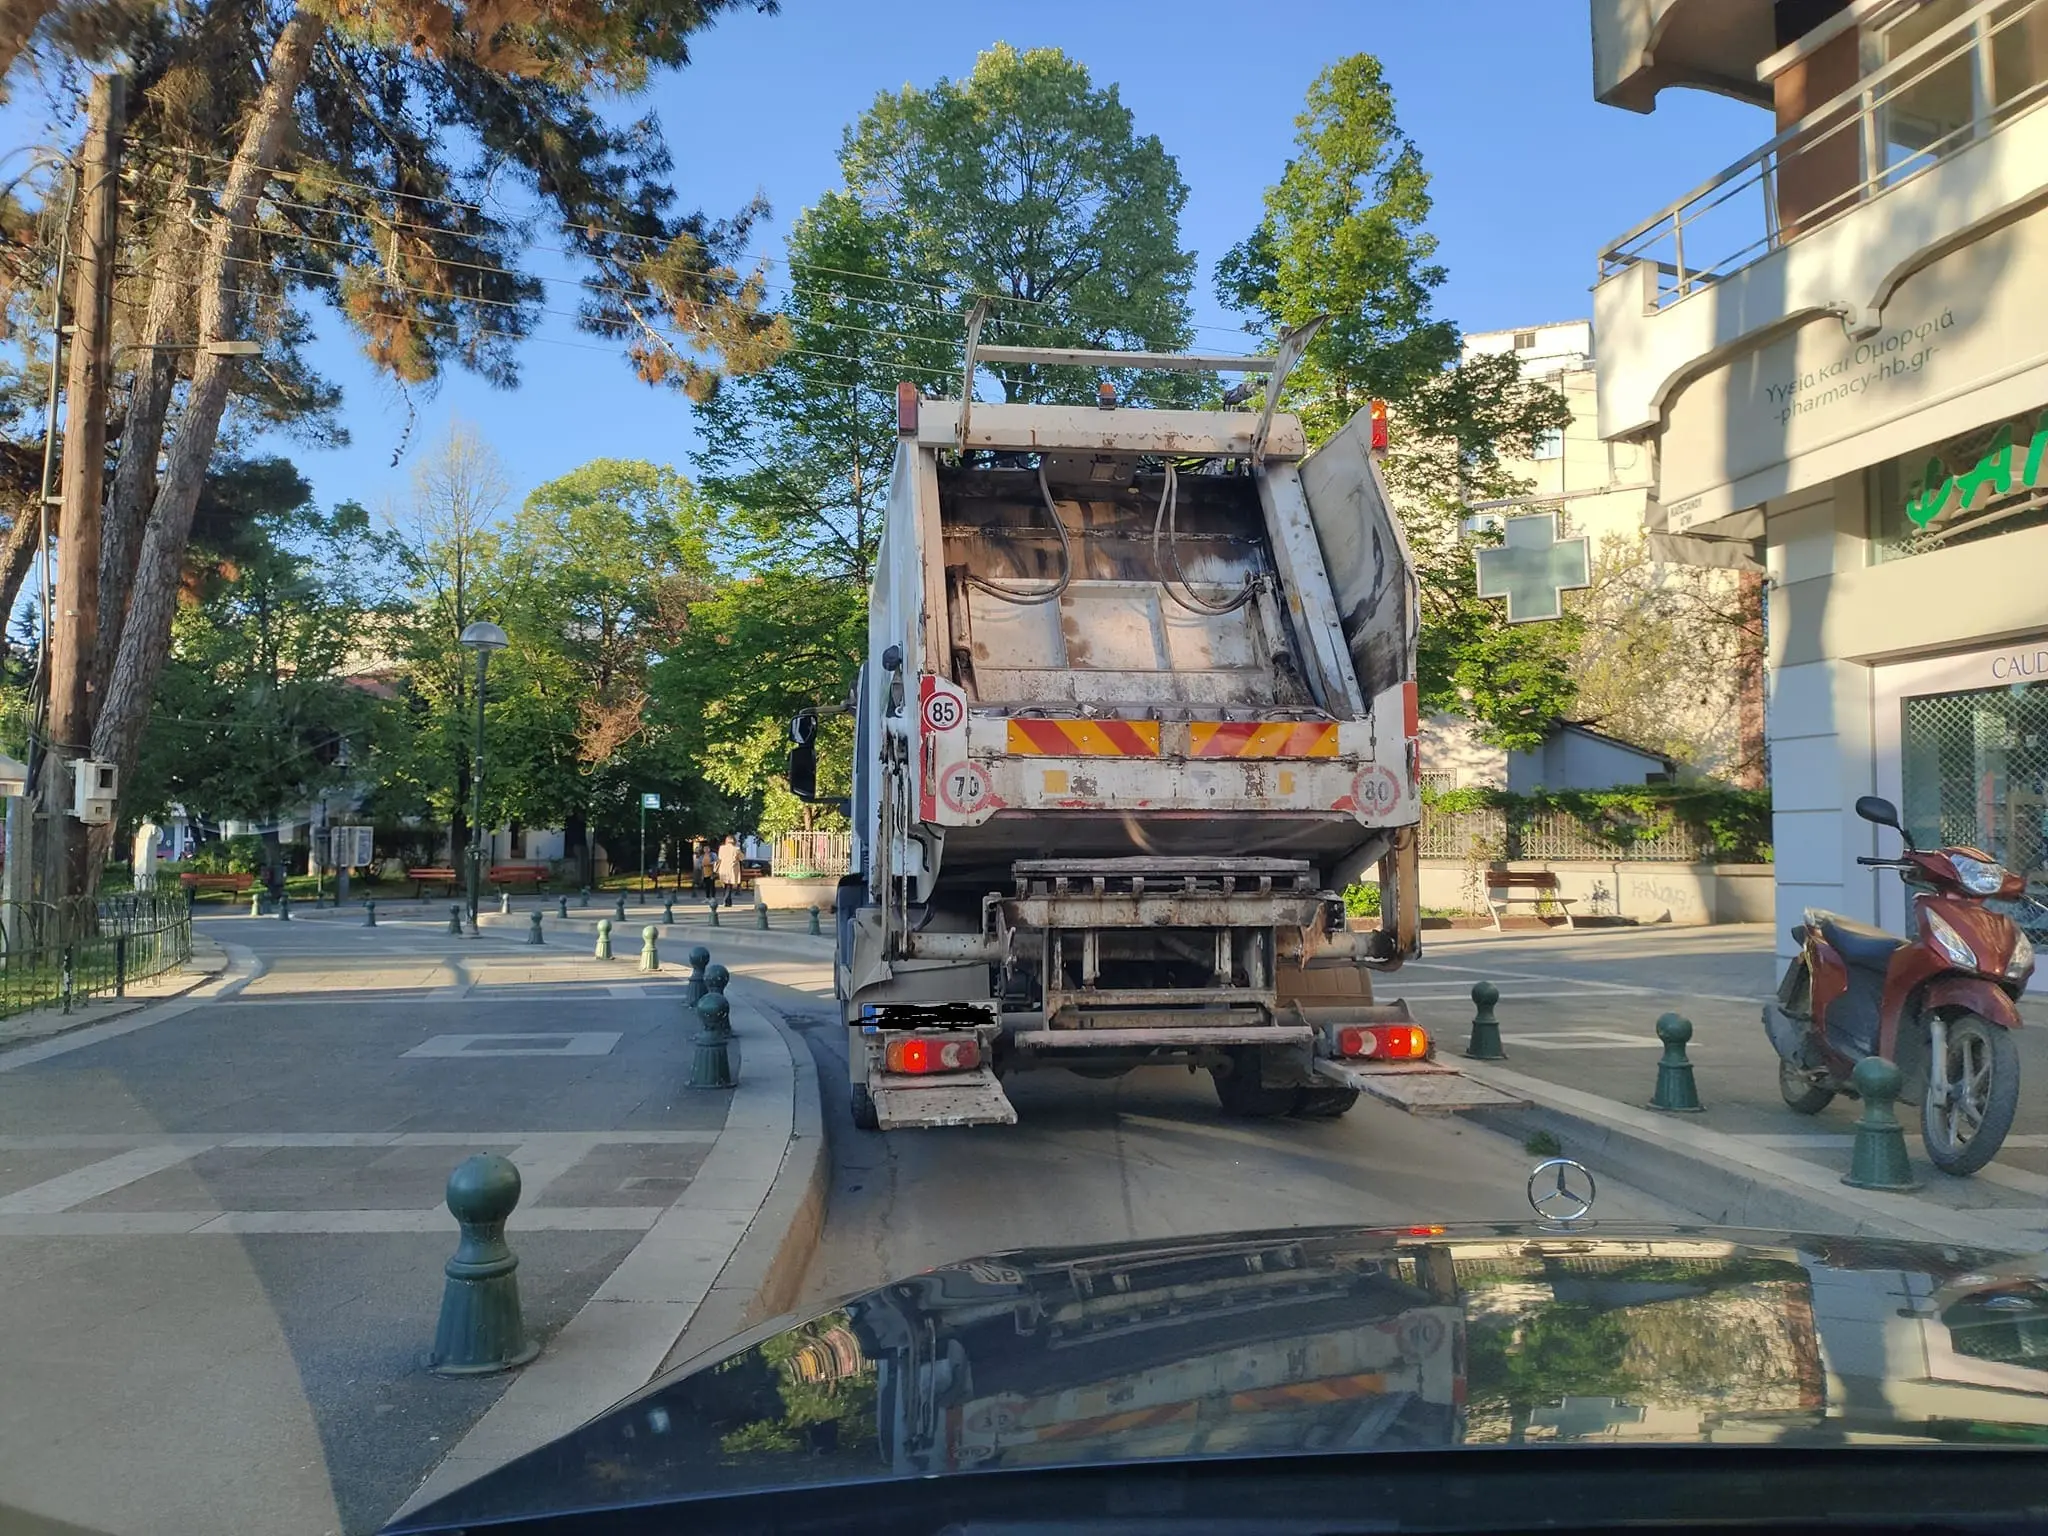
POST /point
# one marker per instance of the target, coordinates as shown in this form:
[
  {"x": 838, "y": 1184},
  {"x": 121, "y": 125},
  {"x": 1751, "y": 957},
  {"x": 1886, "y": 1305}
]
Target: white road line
[
  {"x": 1579, "y": 1040},
  {"x": 565, "y": 1218},
  {"x": 589, "y": 1042},
  {"x": 95, "y": 1140},
  {"x": 540, "y": 1163},
  {"x": 1497, "y": 976},
  {"x": 95, "y": 1179}
]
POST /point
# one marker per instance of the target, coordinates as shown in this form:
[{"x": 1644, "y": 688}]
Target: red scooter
[{"x": 1941, "y": 1006}]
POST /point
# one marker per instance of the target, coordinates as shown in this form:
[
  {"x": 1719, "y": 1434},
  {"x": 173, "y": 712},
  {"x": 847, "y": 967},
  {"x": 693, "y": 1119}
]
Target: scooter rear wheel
[{"x": 1801, "y": 1093}]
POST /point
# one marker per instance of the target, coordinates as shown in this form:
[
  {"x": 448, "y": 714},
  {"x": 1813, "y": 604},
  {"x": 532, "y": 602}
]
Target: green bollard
[
  {"x": 715, "y": 978},
  {"x": 455, "y": 918},
  {"x": 604, "y": 939},
  {"x": 561, "y": 906},
  {"x": 650, "y": 948},
  {"x": 814, "y": 922},
  {"x": 760, "y": 914},
  {"x": 586, "y": 895},
  {"x": 533, "y": 928},
  {"x": 714, "y": 914},
  {"x": 711, "y": 1062},
  {"x": 1878, "y": 1160},
  {"x": 693, "y": 989},
  {"x": 481, "y": 1330},
  {"x": 255, "y": 901},
  {"x": 504, "y": 903},
  {"x": 1675, "y": 1089},
  {"x": 1485, "y": 1043},
  {"x": 668, "y": 910},
  {"x": 369, "y": 914},
  {"x": 284, "y": 906},
  {"x": 619, "y": 909}
]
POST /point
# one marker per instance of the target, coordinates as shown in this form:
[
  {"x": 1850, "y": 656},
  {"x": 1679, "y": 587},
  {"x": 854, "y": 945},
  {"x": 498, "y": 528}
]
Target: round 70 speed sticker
[
  {"x": 1376, "y": 789},
  {"x": 964, "y": 787}
]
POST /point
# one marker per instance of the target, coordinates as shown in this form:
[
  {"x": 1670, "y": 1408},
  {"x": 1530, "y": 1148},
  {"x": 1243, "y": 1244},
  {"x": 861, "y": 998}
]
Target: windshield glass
[{"x": 997, "y": 740}]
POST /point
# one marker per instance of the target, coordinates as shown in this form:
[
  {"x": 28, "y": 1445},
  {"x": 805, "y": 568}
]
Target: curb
[
  {"x": 766, "y": 1271},
  {"x": 237, "y": 968},
  {"x": 626, "y": 1332},
  {"x": 1722, "y": 1178}
]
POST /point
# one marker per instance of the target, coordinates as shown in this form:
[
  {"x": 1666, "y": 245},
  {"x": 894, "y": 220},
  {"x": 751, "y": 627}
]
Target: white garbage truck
[{"x": 1138, "y": 705}]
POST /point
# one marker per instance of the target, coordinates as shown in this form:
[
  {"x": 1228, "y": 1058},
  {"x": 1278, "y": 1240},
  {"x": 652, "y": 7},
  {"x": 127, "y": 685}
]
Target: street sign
[
  {"x": 1535, "y": 568},
  {"x": 351, "y": 847},
  {"x": 650, "y": 802}
]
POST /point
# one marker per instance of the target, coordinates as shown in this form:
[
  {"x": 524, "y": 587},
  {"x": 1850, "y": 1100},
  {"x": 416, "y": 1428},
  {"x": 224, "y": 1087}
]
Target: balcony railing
[{"x": 1938, "y": 97}]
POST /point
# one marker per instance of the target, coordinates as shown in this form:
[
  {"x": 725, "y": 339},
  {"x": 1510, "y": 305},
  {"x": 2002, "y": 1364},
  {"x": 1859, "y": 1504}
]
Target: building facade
[{"x": 1836, "y": 353}]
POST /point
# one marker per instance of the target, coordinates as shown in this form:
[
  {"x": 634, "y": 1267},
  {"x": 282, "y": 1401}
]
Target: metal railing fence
[
  {"x": 1894, "y": 124},
  {"x": 812, "y": 853},
  {"x": 60, "y": 954}
]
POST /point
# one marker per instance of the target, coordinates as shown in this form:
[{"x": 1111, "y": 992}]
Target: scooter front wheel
[
  {"x": 1801, "y": 1093},
  {"x": 1971, "y": 1096}
]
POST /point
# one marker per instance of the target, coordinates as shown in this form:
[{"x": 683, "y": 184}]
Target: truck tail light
[
  {"x": 1384, "y": 1042},
  {"x": 918, "y": 1054}
]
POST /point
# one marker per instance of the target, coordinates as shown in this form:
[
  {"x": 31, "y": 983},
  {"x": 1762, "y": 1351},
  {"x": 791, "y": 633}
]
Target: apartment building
[{"x": 1835, "y": 352}]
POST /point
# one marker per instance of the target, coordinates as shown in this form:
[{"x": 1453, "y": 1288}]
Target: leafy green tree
[
  {"x": 598, "y": 572},
  {"x": 393, "y": 161},
  {"x": 261, "y": 707},
  {"x": 1344, "y": 234}
]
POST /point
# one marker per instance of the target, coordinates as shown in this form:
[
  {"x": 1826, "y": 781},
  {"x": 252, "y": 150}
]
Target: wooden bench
[
  {"x": 1541, "y": 885},
  {"x": 535, "y": 875},
  {"x": 194, "y": 882},
  {"x": 428, "y": 875}
]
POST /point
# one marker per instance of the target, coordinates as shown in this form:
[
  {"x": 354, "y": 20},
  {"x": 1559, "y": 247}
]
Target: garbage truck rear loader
[{"x": 1138, "y": 705}]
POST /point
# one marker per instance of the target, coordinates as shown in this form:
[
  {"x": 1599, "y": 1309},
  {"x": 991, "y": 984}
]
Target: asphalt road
[
  {"x": 1146, "y": 1155},
  {"x": 221, "y": 1236}
]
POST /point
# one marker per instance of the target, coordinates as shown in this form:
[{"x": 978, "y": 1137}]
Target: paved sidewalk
[
  {"x": 208, "y": 961},
  {"x": 222, "y": 1230},
  {"x": 1578, "y": 1014}
]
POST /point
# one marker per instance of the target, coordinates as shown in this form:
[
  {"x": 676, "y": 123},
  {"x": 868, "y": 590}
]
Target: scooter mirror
[{"x": 1877, "y": 809}]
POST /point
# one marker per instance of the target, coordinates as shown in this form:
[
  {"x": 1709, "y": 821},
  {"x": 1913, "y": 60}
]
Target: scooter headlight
[
  {"x": 1949, "y": 942},
  {"x": 1980, "y": 877},
  {"x": 2022, "y": 959}
]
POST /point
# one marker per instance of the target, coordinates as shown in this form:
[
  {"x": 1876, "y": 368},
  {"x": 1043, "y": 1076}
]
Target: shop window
[
  {"x": 1975, "y": 773},
  {"x": 1984, "y": 483}
]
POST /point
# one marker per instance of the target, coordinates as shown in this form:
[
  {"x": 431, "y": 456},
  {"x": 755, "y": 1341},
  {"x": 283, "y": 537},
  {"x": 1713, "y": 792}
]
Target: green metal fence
[{"x": 60, "y": 954}]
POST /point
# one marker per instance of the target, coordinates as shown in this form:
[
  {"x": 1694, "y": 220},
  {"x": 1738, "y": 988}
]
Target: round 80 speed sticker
[
  {"x": 942, "y": 712},
  {"x": 963, "y": 787},
  {"x": 1376, "y": 789}
]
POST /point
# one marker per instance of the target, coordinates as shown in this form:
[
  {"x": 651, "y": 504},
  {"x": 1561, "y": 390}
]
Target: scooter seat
[{"x": 1859, "y": 943}]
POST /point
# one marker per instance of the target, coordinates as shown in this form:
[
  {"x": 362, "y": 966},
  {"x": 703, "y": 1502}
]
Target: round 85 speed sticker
[
  {"x": 942, "y": 712},
  {"x": 964, "y": 787},
  {"x": 1376, "y": 790}
]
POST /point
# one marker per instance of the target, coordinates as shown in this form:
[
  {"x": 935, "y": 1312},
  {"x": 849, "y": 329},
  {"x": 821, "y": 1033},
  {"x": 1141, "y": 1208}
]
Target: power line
[{"x": 1122, "y": 321}]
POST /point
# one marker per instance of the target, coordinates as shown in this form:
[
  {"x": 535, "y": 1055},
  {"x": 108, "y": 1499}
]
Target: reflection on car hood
[{"x": 1331, "y": 1341}]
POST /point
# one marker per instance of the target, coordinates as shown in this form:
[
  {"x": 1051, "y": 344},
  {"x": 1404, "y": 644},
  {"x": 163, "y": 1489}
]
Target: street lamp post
[{"x": 483, "y": 637}]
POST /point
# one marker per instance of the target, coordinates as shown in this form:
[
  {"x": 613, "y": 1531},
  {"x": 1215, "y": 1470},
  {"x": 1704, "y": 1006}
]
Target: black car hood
[{"x": 1328, "y": 1341}]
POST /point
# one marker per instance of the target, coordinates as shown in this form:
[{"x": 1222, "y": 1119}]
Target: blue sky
[{"x": 1530, "y": 175}]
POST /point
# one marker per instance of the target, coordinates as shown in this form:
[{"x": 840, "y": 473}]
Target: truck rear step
[
  {"x": 1421, "y": 1087},
  {"x": 931, "y": 1102}
]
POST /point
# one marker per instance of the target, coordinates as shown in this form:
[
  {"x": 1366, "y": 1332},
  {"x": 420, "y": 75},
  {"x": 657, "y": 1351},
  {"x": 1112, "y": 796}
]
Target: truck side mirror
[{"x": 803, "y": 770}]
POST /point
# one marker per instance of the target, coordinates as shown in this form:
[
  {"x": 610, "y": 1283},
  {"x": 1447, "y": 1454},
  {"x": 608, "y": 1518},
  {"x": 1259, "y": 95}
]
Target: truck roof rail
[{"x": 1293, "y": 342}]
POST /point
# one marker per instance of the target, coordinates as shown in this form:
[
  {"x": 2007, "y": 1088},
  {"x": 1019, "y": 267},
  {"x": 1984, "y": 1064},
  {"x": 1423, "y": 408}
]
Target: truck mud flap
[
  {"x": 963, "y": 1101},
  {"x": 1421, "y": 1087}
]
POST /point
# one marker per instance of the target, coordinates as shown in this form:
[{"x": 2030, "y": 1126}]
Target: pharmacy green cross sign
[{"x": 1535, "y": 568}]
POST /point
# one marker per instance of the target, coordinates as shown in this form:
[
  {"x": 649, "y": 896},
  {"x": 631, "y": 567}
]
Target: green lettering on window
[{"x": 1928, "y": 499}]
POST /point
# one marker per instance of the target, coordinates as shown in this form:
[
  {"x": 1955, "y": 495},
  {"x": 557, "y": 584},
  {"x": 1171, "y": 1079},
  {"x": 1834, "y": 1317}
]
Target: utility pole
[{"x": 86, "y": 393}]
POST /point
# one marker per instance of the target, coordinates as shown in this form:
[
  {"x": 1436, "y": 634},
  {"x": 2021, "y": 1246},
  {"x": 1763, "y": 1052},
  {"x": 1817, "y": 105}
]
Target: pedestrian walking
[
  {"x": 707, "y": 872},
  {"x": 729, "y": 866}
]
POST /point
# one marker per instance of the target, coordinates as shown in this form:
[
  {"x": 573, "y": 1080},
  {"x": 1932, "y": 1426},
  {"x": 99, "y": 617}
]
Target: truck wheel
[
  {"x": 1240, "y": 1092},
  {"x": 864, "y": 1116},
  {"x": 1324, "y": 1103}
]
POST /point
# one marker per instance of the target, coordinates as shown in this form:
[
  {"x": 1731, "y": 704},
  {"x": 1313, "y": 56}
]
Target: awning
[{"x": 1732, "y": 543}]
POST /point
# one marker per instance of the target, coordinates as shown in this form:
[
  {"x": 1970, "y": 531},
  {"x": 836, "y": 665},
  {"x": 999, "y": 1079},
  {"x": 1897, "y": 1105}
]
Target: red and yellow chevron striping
[
  {"x": 1262, "y": 738},
  {"x": 1084, "y": 738}
]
